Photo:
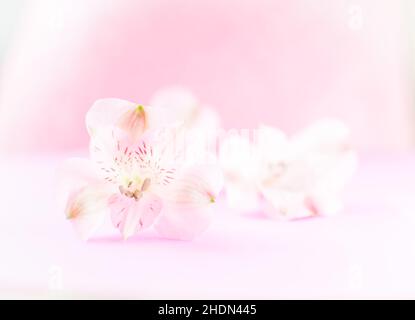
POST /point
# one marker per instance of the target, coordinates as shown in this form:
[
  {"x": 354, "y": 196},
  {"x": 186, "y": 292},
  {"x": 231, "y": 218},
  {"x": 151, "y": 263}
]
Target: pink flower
[
  {"x": 296, "y": 177},
  {"x": 136, "y": 176}
]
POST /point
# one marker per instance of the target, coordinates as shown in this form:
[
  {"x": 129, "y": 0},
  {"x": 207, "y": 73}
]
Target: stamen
[
  {"x": 137, "y": 195},
  {"x": 146, "y": 184}
]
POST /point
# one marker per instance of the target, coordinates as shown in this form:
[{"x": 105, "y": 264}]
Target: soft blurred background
[{"x": 283, "y": 63}]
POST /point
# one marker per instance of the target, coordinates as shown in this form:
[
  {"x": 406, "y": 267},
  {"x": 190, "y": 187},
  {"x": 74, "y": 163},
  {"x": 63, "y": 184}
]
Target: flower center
[{"x": 135, "y": 192}]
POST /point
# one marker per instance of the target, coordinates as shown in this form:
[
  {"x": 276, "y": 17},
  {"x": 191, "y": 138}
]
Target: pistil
[{"x": 135, "y": 193}]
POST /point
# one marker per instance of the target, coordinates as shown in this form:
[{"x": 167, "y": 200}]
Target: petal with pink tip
[
  {"x": 87, "y": 208},
  {"x": 73, "y": 175},
  {"x": 188, "y": 203},
  {"x": 107, "y": 112},
  {"x": 131, "y": 216},
  {"x": 195, "y": 186},
  {"x": 130, "y": 117},
  {"x": 82, "y": 195},
  {"x": 134, "y": 122}
]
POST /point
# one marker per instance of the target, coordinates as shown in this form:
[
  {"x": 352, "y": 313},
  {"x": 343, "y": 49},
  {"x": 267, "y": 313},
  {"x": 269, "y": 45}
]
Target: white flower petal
[
  {"x": 112, "y": 154},
  {"x": 106, "y": 112},
  {"x": 188, "y": 202},
  {"x": 82, "y": 195},
  {"x": 132, "y": 118},
  {"x": 73, "y": 175},
  {"x": 131, "y": 216},
  {"x": 319, "y": 163},
  {"x": 195, "y": 186},
  {"x": 87, "y": 208}
]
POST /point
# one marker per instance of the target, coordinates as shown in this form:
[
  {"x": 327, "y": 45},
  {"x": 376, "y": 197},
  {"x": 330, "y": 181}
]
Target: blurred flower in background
[{"x": 298, "y": 177}]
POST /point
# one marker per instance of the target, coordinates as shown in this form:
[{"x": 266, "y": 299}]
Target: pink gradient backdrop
[
  {"x": 285, "y": 63},
  {"x": 367, "y": 253}
]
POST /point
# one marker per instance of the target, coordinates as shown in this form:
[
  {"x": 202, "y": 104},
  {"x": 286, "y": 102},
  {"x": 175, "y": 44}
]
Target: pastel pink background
[
  {"x": 368, "y": 251},
  {"x": 285, "y": 63}
]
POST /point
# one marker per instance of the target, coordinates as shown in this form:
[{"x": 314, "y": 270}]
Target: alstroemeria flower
[
  {"x": 134, "y": 177},
  {"x": 289, "y": 178}
]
